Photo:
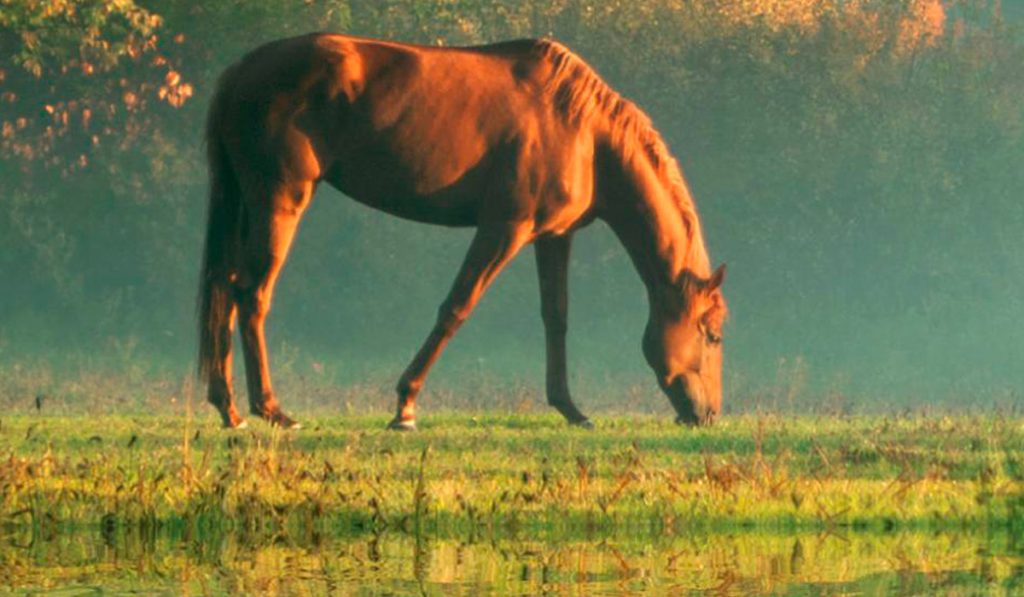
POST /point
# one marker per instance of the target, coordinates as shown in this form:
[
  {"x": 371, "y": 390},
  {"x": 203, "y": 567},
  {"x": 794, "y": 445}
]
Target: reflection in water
[{"x": 723, "y": 564}]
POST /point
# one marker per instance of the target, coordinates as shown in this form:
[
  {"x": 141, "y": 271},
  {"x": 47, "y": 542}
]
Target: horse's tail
[{"x": 223, "y": 237}]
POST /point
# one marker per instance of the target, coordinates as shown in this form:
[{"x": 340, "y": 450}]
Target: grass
[{"x": 497, "y": 476}]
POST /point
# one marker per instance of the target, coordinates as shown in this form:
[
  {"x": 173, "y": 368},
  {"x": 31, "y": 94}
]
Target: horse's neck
[{"x": 661, "y": 235}]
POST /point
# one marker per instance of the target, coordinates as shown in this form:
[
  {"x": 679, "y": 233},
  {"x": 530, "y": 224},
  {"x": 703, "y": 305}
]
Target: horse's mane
[{"x": 580, "y": 95}]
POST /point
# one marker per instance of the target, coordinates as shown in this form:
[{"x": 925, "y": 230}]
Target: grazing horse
[{"x": 521, "y": 139}]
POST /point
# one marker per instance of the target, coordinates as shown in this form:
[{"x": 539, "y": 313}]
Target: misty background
[{"x": 859, "y": 165}]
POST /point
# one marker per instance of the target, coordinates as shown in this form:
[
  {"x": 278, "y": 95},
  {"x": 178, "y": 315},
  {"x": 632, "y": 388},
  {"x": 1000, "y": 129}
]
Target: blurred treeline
[{"x": 859, "y": 164}]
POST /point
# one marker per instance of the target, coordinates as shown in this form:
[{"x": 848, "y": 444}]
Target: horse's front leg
[
  {"x": 493, "y": 246},
  {"x": 553, "y": 272}
]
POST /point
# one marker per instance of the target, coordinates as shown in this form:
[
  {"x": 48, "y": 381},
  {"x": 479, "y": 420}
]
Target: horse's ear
[{"x": 716, "y": 279}]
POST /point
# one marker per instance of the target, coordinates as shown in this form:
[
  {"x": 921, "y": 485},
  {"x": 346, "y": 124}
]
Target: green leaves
[{"x": 76, "y": 74}]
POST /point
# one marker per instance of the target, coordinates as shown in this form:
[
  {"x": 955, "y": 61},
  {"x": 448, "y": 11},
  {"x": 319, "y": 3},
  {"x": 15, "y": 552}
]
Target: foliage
[{"x": 76, "y": 74}]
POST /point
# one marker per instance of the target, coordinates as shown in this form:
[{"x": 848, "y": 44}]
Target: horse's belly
[
  {"x": 422, "y": 209},
  {"x": 424, "y": 188},
  {"x": 439, "y": 208}
]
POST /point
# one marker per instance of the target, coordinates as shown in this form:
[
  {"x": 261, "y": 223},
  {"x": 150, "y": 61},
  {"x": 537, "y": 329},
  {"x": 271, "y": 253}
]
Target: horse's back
[{"x": 427, "y": 133}]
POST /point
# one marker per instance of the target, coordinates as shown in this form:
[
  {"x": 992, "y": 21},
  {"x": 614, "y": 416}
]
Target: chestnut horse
[{"x": 522, "y": 140}]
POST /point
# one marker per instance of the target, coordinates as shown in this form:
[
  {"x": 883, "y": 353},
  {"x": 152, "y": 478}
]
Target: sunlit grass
[{"x": 503, "y": 474}]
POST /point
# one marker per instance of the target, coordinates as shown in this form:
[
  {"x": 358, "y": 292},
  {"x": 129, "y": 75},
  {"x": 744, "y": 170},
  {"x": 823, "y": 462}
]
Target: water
[{"x": 749, "y": 563}]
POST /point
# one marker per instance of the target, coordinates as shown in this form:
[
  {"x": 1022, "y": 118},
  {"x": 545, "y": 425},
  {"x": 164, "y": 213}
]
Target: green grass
[
  {"x": 501, "y": 476},
  {"x": 513, "y": 504}
]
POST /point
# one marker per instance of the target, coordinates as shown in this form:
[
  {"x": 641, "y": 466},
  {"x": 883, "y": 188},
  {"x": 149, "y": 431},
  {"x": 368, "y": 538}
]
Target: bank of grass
[{"x": 508, "y": 474}]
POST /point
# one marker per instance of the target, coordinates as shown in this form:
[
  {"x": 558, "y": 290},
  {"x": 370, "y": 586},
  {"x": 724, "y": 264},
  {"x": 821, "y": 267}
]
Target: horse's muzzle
[{"x": 686, "y": 393}]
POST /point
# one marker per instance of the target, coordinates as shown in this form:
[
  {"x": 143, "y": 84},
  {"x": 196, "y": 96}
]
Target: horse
[{"x": 520, "y": 139}]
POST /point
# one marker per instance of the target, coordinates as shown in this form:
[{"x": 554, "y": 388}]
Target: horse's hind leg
[
  {"x": 272, "y": 220},
  {"x": 553, "y": 272},
  {"x": 220, "y": 392},
  {"x": 492, "y": 247}
]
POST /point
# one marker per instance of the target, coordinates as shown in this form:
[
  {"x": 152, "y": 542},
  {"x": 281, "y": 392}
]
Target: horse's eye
[{"x": 709, "y": 335}]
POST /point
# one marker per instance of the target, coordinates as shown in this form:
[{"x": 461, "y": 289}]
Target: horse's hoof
[
  {"x": 235, "y": 425},
  {"x": 397, "y": 424},
  {"x": 582, "y": 424},
  {"x": 695, "y": 422},
  {"x": 279, "y": 419}
]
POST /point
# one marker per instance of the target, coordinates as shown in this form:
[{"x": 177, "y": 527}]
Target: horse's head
[{"x": 683, "y": 344}]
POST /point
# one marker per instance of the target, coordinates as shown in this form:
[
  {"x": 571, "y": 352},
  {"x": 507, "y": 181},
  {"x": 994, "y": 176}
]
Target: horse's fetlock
[
  {"x": 558, "y": 397},
  {"x": 408, "y": 387},
  {"x": 266, "y": 406}
]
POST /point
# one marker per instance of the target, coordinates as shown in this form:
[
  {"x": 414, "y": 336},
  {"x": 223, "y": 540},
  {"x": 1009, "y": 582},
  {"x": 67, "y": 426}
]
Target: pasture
[{"x": 628, "y": 494}]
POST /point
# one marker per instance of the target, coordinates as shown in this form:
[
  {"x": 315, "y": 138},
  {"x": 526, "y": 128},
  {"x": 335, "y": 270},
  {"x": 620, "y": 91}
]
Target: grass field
[{"x": 464, "y": 475}]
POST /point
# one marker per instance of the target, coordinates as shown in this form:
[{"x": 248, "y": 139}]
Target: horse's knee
[{"x": 451, "y": 318}]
